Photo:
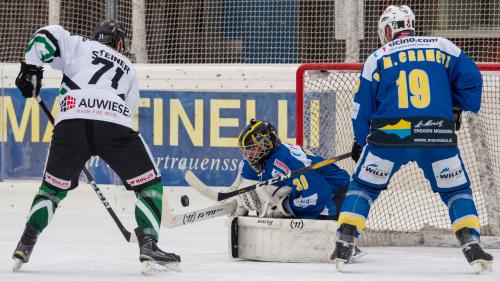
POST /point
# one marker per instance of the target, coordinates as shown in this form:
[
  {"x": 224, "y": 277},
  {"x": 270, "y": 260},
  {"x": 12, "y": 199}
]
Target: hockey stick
[
  {"x": 198, "y": 215},
  {"x": 219, "y": 196},
  {"x": 127, "y": 234}
]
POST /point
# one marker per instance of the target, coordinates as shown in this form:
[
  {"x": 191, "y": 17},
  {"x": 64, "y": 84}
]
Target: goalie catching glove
[
  {"x": 267, "y": 201},
  {"x": 29, "y": 80}
]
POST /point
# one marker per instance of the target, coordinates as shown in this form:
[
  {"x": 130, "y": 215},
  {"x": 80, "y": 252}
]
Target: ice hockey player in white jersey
[{"x": 98, "y": 97}]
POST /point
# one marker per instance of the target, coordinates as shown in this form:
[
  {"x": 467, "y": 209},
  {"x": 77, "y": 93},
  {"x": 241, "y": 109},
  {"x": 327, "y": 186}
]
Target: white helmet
[{"x": 397, "y": 18}]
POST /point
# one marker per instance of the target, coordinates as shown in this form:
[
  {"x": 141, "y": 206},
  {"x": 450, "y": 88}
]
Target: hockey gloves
[
  {"x": 29, "y": 79},
  {"x": 356, "y": 151},
  {"x": 457, "y": 117}
]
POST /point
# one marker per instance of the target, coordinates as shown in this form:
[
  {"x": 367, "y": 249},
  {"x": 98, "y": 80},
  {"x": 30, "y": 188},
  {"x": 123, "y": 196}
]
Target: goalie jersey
[
  {"x": 405, "y": 94},
  {"x": 312, "y": 192},
  {"x": 98, "y": 82}
]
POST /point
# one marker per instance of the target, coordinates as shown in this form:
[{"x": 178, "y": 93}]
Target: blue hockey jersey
[
  {"x": 407, "y": 90},
  {"x": 312, "y": 192}
]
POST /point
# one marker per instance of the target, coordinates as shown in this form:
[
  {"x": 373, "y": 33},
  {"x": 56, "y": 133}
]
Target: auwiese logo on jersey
[{"x": 94, "y": 106}]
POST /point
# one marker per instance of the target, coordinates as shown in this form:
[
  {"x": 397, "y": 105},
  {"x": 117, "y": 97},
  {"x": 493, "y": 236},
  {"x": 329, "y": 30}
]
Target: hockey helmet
[
  {"x": 110, "y": 32},
  {"x": 397, "y": 19},
  {"x": 256, "y": 143}
]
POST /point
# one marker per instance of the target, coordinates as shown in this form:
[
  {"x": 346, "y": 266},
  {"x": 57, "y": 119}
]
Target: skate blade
[
  {"x": 17, "y": 265},
  {"x": 481, "y": 266},
  {"x": 152, "y": 268},
  {"x": 354, "y": 258},
  {"x": 339, "y": 264}
]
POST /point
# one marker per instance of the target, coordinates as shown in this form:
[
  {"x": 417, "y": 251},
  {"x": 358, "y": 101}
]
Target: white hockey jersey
[{"x": 98, "y": 82}]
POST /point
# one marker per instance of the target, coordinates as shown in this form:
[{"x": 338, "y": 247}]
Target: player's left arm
[
  {"x": 46, "y": 46},
  {"x": 466, "y": 83}
]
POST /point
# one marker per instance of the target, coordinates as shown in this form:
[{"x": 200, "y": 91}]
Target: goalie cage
[{"x": 408, "y": 213}]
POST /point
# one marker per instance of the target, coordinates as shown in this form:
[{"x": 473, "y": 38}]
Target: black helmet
[
  {"x": 256, "y": 143},
  {"x": 109, "y": 32}
]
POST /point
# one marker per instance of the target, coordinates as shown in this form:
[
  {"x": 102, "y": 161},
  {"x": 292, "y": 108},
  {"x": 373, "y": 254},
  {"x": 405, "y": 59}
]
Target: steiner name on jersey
[
  {"x": 111, "y": 57},
  {"x": 92, "y": 105}
]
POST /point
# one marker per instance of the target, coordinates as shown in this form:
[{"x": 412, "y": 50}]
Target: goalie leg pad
[{"x": 281, "y": 240}]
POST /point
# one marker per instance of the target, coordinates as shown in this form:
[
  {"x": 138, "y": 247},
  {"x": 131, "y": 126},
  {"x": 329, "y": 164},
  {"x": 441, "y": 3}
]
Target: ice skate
[
  {"x": 153, "y": 259},
  {"x": 356, "y": 255},
  {"x": 480, "y": 261},
  {"x": 24, "y": 248},
  {"x": 344, "y": 245}
]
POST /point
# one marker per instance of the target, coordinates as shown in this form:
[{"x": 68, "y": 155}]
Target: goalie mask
[
  {"x": 256, "y": 142},
  {"x": 110, "y": 32}
]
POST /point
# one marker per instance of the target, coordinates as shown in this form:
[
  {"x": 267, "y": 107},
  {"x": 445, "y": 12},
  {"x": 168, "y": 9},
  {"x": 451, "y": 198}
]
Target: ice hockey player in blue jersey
[
  {"x": 316, "y": 194},
  {"x": 406, "y": 108}
]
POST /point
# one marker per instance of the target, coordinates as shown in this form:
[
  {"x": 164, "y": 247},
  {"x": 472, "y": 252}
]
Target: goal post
[{"x": 407, "y": 213}]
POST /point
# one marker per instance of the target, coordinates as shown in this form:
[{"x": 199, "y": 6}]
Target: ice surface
[
  {"x": 83, "y": 243},
  {"x": 80, "y": 247}
]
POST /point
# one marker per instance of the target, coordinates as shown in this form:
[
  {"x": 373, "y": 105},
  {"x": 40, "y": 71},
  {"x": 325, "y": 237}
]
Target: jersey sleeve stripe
[
  {"x": 69, "y": 83},
  {"x": 53, "y": 40},
  {"x": 49, "y": 42}
]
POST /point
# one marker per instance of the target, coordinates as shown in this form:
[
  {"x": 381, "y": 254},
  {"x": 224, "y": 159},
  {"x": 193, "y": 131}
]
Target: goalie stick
[
  {"x": 171, "y": 221},
  {"x": 127, "y": 234},
  {"x": 219, "y": 196}
]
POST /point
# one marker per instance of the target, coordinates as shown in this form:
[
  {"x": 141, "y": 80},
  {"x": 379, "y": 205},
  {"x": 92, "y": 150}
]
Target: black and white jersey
[{"x": 98, "y": 82}]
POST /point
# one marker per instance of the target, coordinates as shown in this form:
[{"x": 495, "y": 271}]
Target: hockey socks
[
  {"x": 148, "y": 210},
  {"x": 462, "y": 210},
  {"x": 356, "y": 205},
  {"x": 44, "y": 206}
]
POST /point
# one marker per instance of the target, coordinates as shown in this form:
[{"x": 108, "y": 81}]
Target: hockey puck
[{"x": 184, "y": 200}]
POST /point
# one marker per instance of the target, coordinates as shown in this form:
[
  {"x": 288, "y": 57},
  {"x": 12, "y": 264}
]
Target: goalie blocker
[{"x": 281, "y": 240}]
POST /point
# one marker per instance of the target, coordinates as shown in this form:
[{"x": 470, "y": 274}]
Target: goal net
[
  {"x": 254, "y": 31},
  {"x": 408, "y": 212}
]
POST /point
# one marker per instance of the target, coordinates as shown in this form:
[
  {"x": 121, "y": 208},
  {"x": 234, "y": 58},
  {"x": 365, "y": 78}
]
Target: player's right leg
[
  {"x": 41, "y": 212},
  {"x": 67, "y": 155},
  {"x": 446, "y": 172},
  {"x": 127, "y": 154}
]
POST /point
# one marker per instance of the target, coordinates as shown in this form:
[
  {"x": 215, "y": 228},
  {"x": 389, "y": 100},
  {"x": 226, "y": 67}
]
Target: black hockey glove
[
  {"x": 457, "y": 117},
  {"x": 356, "y": 151},
  {"x": 29, "y": 80}
]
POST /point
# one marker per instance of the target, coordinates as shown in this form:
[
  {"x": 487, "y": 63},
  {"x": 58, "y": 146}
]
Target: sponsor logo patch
[
  {"x": 282, "y": 166},
  {"x": 67, "y": 103},
  {"x": 146, "y": 177},
  {"x": 402, "y": 129},
  {"x": 449, "y": 173},
  {"x": 57, "y": 182},
  {"x": 375, "y": 169},
  {"x": 303, "y": 202},
  {"x": 102, "y": 107},
  {"x": 94, "y": 106}
]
